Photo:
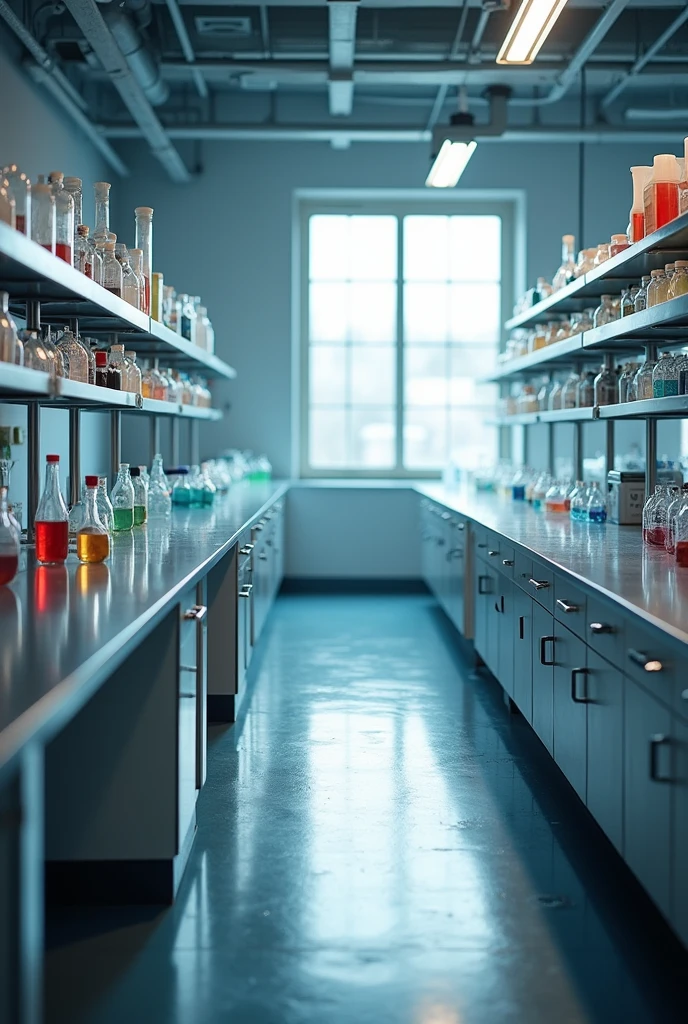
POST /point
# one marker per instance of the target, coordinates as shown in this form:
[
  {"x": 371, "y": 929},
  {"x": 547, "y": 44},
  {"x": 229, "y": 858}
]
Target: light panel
[
  {"x": 450, "y": 163},
  {"x": 531, "y": 26}
]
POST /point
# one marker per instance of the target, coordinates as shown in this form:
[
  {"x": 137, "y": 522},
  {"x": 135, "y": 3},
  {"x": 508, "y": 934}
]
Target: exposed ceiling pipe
[
  {"x": 41, "y": 56},
  {"x": 441, "y": 96},
  {"x": 342, "y": 17},
  {"x": 131, "y": 43},
  {"x": 656, "y": 114},
  {"x": 187, "y": 48},
  {"x": 92, "y": 24},
  {"x": 658, "y": 45},
  {"x": 479, "y": 33}
]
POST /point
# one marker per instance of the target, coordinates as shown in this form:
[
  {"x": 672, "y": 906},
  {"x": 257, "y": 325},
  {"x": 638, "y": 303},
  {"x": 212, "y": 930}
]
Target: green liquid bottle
[
  {"x": 140, "y": 515},
  {"x": 124, "y": 519}
]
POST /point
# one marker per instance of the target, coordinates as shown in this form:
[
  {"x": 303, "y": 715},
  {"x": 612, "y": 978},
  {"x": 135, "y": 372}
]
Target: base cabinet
[
  {"x": 570, "y": 709},
  {"x": 484, "y": 598},
  {"x": 505, "y": 606},
  {"x": 679, "y": 900},
  {"x": 543, "y": 648},
  {"x": 605, "y": 709},
  {"x": 523, "y": 653}
]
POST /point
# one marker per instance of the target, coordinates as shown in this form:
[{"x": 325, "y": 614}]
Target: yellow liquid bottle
[{"x": 92, "y": 539}]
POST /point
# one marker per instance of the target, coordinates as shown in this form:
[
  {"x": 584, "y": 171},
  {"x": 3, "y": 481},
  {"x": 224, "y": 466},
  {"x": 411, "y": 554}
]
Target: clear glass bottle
[
  {"x": 626, "y": 382},
  {"x": 159, "y": 500},
  {"x": 147, "y": 381},
  {"x": 665, "y": 377},
  {"x": 555, "y": 395},
  {"x": 579, "y": 498},
  {"x": 569, "y": 391},
  {"x": 597, "y": 505},
  {"x": 134, "y": 382},
  {"x": 140, "y": 496},
  {"x": 36, "y": 356},
  {"x": 9, "y": 539},
  {"x": 135, "y": 262},
  {"x": 210, "y": 490},
  {"x": 679, "y": 280},
  {"x": 567, "y": 270},
  {"x": 20, "y": 190},
  {"x": 188, "y": 319},
  {"x": 93, "y": 537},
  {"x": 681, "y": 537},
  {"x": 604, "y": 314},
  {"x": 157, "y": 289},
  {"x": 640, "y": 302},
  {"x": 131, "y": 292},
  {"x": 7, "y": 205},
  {"x": 618, "y": 244},
  {"x": 662, "y": 282},
  {"x": 116, "y": 376},
  {"x": 54, "y": 355},
  {"x": 655, "y": 516},
  {"x": 122, "y": 498},
  {"x": 201, "y": 320},
  {"x": 64, "y": 218},
  {"x": 87, "y": 259},
  {"x": 652, "y": 288},
  {"x": 144, "y": 242},
  {"x": 74, "y": 187},
  {"x": 627, "y": 303},
  {"x": 643, "y": 381},
  {"x": 52, "y": 519},
  {"x": 74, "y": 358},
  {"x": 606, "y": 387},
  {"x": 101, "y": 195},
  {"x": 160, "y": 384},
  {"x": 43, "y": 215},
  {"x": 673, "y": 510},
  {"x": 106, "y": 512},
  {"x": 196, "y": 485},
  {"x": 661, "y": 192},
  {"x": 112, "y": 269},
  {"x": 181, "y": 491},
  {"x": 556, "y": 498},
  {"x": 91, "y": 358},
  {"x": 602, "y": 254},
  {"x": 8, "y": 331},
  {"x": 585, "y": 398}
]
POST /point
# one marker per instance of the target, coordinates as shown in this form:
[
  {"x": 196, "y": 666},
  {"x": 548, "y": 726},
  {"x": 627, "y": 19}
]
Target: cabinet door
[
  {"x": 187, "y": 728},
  {"x": 507, "y": 621},
  {"x": 426, "y": 540},
  {"x": 483, "y": 593},
  {"x": 570, "y": 709},
  {"x": 679, "y": 903},
  {"x": 647, "y": 792},
  {"x": 523, "y": 653},
  {"x": 605, "y": 692},
  {"x": 543, "y": 673}
]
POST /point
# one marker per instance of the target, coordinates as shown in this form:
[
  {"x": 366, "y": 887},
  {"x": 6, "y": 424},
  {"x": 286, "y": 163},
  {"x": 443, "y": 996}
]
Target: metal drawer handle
[
  {"x": 454, "y": 553},
  {"x": 507, "y": 561},
  {"x": 198, "y": 612},
  {"x": 446, "y": 515},
  {"x": 246, "y": 591},
  {"x": 660, "y": 739},
  {"x": 543, "y": 641},
  {"x": 480, "y": 585},
  {"x": 482, "y": 545},
  {"x": 258, "y": 526},
  {"x": 498, "y": 609},
  {"x": 188, "y": 668},
  {"x": 521, "y": 625},
  {"x": 574, "y": 694},
  {"x": 493, "y": 554},
  {"x": 263, "y": 557},
  {"x": 539, "y": 584},
  {"x": 460, "y": 526},
  {"x": 568, "y": 607},
  {"x": 643, "y": 661},
  {"x": 600, "y": 627},
  {"x": 247, "y": 549}
]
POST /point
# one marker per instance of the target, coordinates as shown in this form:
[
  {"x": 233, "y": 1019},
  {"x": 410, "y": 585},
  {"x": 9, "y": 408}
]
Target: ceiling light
[
  {"x": 531, "y": 26},
  {"x": 450, "y": 163}
]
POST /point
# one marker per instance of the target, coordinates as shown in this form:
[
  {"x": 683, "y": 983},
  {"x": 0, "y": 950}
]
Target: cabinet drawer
[
  {"x": 481, "y": 540},
  {"x": 650, "y": 660},
  {"x": 506, "y": 561},
  {"x": 604, "y": 629},
  {"x": 495, "y": 542},
  {"x": 541, "y": 585},
  {"x": 570, "y": 606},
  {"x": 523, "y": 570}
]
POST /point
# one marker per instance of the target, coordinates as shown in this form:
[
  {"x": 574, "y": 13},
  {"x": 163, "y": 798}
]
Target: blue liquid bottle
[{"x": 597, "y": 506}]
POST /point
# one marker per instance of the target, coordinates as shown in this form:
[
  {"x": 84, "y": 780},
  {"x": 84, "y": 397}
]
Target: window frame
[{"x": 481, "y": 204}]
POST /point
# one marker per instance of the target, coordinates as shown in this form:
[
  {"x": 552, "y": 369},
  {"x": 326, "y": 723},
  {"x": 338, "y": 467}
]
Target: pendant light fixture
[
  {"x": 453, "y": 147},
  {"x": 533, "y": 23}
]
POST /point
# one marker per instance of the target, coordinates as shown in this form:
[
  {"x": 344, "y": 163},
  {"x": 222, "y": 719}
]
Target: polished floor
[{"x": 379, "y": 842}]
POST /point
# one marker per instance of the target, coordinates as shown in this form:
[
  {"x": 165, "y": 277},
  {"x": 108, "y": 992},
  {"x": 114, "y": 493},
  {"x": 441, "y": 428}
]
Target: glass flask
[
  {"x": 569, "y": 392},
  {"x": 112, "y": 269},
  {"x": 555, "y": 395},
  {"x": 640, "y": 301},
  {"x": 556, "y": 498},
  {"x": 540, "y": 488},
  {"x": 106, "y": 513},
  {"x": 9, "y": 540},
  {"x": 679, "y": 280},
  {"x": 52, "y": 518},
  {"x": 579, "y": 498},
  {"x": 93, "y": 538},
  {"x": 597, "y": 505},
  {"x": 90, "y": 356},
  {"x": 604, "y": 314},
  {"x": 8, "y": 331},
  {"x": 20, "y": 190},
  {"x": 135, "y": 262},
  {"x": 672, "y": 512},
  {"x": 665, "y": 377},
  {"x": 681, "y": 537},
  {"x": 181, "y": 491},
  {"x": 134, "y": 374},
  {"x": 140, "y": 496},
  {"x": 7, "y": 205},
  {"x": 643, "y": 381},
  {"x": 43, "y": 215},
  {"x": 74, "y": 358},
  {"x": 54, "y": 354},
  {"x": 74, "y": 187},
  {"x": 655, "y": 516},
  {"x": 586, "y": 390},
  {"x": 606, "y": 387},
  {"x": 159, "y": 500},
  {"x": 196, "y": 485},
  {"x": 122, "y": 499},
  {"x": 209, "y": 488},
  {"x": 64, "y": 218},
  {"x": 567, "y": 270},
  {"x": 36, "y": 356},
  {"x": 144, "y": 242},
  {"x": 101, "y": 195}
]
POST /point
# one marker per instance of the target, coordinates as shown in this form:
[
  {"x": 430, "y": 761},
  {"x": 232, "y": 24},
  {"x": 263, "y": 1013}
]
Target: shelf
[
  {"x": 661, "y": 408},
  {"x": 666, "y": 324},
  {"x": 566, "y": 300},
  {"x": 568, "y": 415},
  {"x": 540, "y": 360},
  {"x": 27, "y": 271}
]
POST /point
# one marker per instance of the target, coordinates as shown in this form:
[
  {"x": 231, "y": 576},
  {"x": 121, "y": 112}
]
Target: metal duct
[
  {"x": 651, "y": 51},
  {"x": 42, "y": 58},
  {"x": 139, "y": 59},
  {"x": 187, "y": 48}
]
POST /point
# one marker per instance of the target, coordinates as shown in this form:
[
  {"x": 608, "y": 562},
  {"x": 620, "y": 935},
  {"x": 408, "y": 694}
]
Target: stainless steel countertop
[
  {"x": 610, "y": 559},
  {"x": 64, "y": 629}
]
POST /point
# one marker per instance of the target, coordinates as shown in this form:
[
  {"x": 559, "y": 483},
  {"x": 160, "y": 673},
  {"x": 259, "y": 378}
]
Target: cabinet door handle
[
  {"x": 263, "y": 557},
  {"x": 643, "y": 661},
  {"x": 539, "y": 584},
  {"x": 493, "y": 554},
  {"x": 446, "y": 515},
  {"x": 460, "y": 526},
  {"x": 482, "y": 545},
  {"x": 247, "y": 549},
  {"x": 597, "y": 628},
  {"x": 198, "y": 612},
  {"x": 521, "y": 627},
  {"x": 660, "y": 739},
  {"x": 499, "y": 607},
  {"x": 480, "y": 585},
  {"x": 575, "y": 672},
  {"x": 246, "y": 591},
  {"x": 507, "y": 561},
  {"x": 543, "y": 641},
  {"x": 565, "y": 607}
]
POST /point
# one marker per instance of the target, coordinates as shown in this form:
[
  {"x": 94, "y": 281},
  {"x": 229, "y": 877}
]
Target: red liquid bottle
[
  {"x": 636, "y": 223},
  {"x": 661, "y": 192},
  {"x": 20, "y": 190},
  {"x": 682, "y": 554},
  {"x": 51, "y": 526},
  {"x": 64, "y": 218},
  {"x": 64, "y": 252},
  {"x": 9, "y": 542}
]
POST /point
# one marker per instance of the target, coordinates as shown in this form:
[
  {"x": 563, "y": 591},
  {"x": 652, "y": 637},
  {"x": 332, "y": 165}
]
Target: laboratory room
[{"x": 344, "y": 512}]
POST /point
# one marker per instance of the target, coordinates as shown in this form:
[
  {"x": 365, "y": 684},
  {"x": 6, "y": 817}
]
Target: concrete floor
[{"x": 379, "y": 842}]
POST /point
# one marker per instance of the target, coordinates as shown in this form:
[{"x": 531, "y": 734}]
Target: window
[{"x": 401, "y": 319}]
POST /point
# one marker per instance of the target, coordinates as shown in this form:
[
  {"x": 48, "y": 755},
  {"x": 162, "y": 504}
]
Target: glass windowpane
[
  {"x": 425, "y": 438},
  {"x": 373, "y": 438},
  {"x": 426, "y": 314},
  {"x": 373, "y": 374},
  {"x": 373, "y": 249},
  {"x": 329, "y": 312},
  {"x": 475, "y": 248},
  {"x": 373, "y": 312},
  {"x": 329, "y": 256},
  {"x": 425, "y": 372},
  {"x": 474, "y": 312},
  {"x": 426, "y": 248},
  {"x": 327, "y": 376},
  {"x": 327, "y": 437}
]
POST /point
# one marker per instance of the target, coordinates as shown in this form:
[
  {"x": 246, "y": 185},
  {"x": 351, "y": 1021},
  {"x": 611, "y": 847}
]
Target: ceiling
[{"x": 348, "y": 69}]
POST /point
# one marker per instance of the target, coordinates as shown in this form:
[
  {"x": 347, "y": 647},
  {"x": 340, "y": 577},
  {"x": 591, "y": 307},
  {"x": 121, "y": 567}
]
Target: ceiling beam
[{"x": 342, "y": 28}]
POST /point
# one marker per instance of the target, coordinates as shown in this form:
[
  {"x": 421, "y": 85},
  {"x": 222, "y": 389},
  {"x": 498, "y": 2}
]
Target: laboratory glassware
[
  {"x": 19, "y": 187},
  {"x": 92, "y": 539},
  {"x": 122, "y": 499},
  {"x": 144, "y": 242},
  {"x": 64, "y": 218},
  {"x": 140, "y": 496},
  {"x": 43, "y": 215},
  {"x": 52, "y": 518},
  {"x": 106, "y": 513}
]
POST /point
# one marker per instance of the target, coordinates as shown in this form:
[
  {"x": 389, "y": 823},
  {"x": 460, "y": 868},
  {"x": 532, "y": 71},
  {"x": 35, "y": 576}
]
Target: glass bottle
[
  {"x": 160, "y": 384},
  {"x": 106, "y": 512},
  {"x": 569, "y": 392},
  {"x": 74, "y": 358},
  {"x": 54, "y": 355},
  {"x": 157, "y": 288},
  {"x": 43, "y": 215},
  {"x": 681, "y": 360},
  {"x": 672, "y": 514},
  {"x": 555, "y": 395},
  {"x": 618, "y": 244},
  {"x": 90, "y": 356},
  {"x": 640, "y": 301},
  {"x": 579, "y": 498},
  {"x": 87, "y": 259},
  {"x": 159, "y": 500},
  {"x": 606, "y": 387},
  {"x": 20, "y": 190},
  {"x": 655, "y": 516},
  {"x": 663, "y": 283},
  {"x": 101, "y": 369},
  {"x": 626, "y": 381},
  {"x": 602, "y": 254},
  {"x": 147, "y": 381},
  {"x": 181, "y": 491},
  {"x": 122, "y": 498},
  {"x": 36, "y": 357},
  {"x": 540, "y": 488},
  {"x": 210, "y": 490},
  {"x": 627, "y": 303},
  {"x": 665, "y": 377},
  {"x": 597, "y": 505},
  {"x": 64, "y": 218},
  {"x": 636, "y": 224},
  {"x": 567, "y": 270},
  {"x": 93, "y": 538},
  {"x": 585, "y": 398},
  {"x": 604, "y": 314},
  {"x": 681, "y": 537},
  {"x": 74, "y": 187},
  {"x": 196, "y": 485},
  {"x": 112, "y": 269},
  {"x": 101, "y": 194},
  {"x": 144, "y": 242},
  {"x": 556, "y": 498},
  {"x": 131, "y": 292},
  {"x": 116, "y": 368},
  {"x": 7, "y": 204},
  {"x": 661, "y": 192},
  {"x": 655, "y": 276},
  {"x": 9, "y": 540},
  {"x": 188, "y": 319},
  {"x": 134, "y": 373},
  {"x": 679, "y": 280},
  {"x": 8, "y": 331},
  {"x": 51, "y": 525},
  {"x": 140, "y": 496},
  {"x": 135, "y": 262},
  {"x": 643, "y": 381}
]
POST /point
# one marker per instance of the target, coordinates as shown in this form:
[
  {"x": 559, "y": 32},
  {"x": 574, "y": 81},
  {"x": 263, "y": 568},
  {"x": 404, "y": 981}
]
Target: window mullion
[{"x": 400, "y": 417}]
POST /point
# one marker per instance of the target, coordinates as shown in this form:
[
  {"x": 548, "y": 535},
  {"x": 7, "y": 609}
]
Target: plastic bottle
[
  {"x": 64, "y": 218},
  {"x": 140, "y": 496},
  {"x": 636, "y": 223},
  {"x": 106, "y": 513},
  {"x": 122, "y": 498},
  {"x": 8, "y": 331},
  {"x": 43, "y": 215},
  {"x": 665, "y": 377},
  {"x": 19, "y": 186},
  {"x": 51, "y": 525},
  {"x": 597, "y": 506},
  {"x": 661, "y": 193},
  {"x": 93, "y": 538}
]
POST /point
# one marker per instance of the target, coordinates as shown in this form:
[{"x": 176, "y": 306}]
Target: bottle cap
[
  {"x": 619, "y": 238},
  {"x": 665, "y": 167},
  {"x": 681, "y": 263},
  {"x": 83, "y": 230},
  {"x": 56, "y": 176},
  {"x": 109, "y": 247},
  {"x": 101, "y": 358},
  {"x": 144, "y": 211},
  {"x": 117, "y": 348},
  {"x": 136, "y": 252},
  {"x": 102, "y": 184},
  {"x": 72, "y": 182},
  {"x": 134, "y": 471},
  {"x": 669, "y": 267},
  {"x": 656, "y": 273},
  {"x": 91, "y": 481},
  {"x": 52, "y": 458},
  {"x": 42, "y": 188}
]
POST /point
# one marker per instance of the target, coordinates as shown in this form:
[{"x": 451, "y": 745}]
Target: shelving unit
[{"x": 44, "y": 289}]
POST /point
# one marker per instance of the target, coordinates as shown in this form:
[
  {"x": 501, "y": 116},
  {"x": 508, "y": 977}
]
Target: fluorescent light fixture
[
  {"x": 450, "y": 163},
  {"x": 529, "y": 29}
]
